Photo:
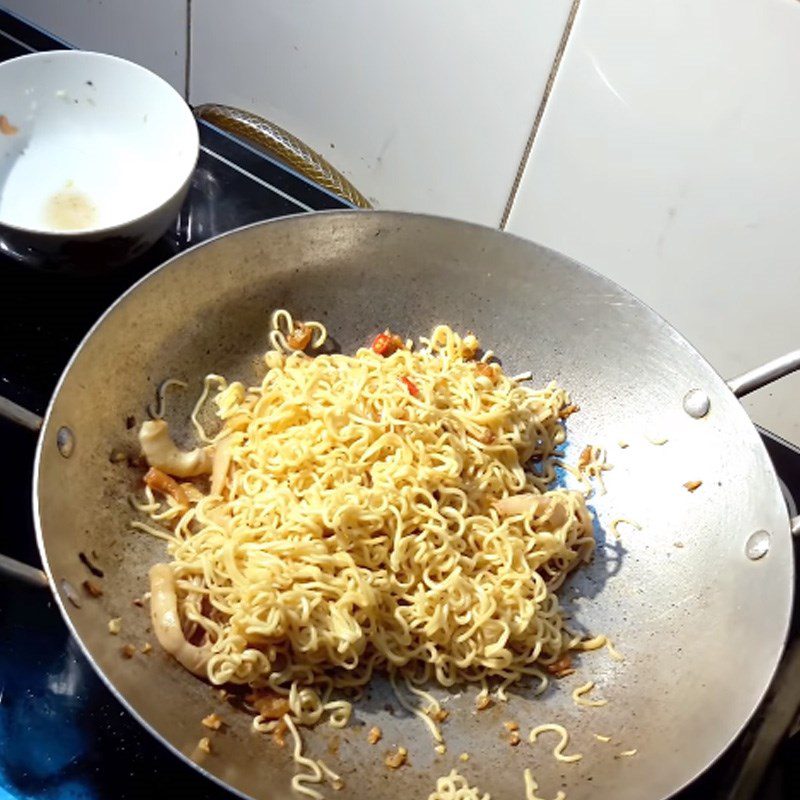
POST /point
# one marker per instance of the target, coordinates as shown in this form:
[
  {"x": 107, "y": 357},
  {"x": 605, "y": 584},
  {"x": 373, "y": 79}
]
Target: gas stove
[{"x": 63, "y": 734}]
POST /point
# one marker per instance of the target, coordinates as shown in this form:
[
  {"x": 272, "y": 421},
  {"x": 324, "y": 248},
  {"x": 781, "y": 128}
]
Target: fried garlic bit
[
  {"x": 279, "y": 734},
  {"x": 375, "y": 735},
  {"x": 205, "y": 745},
  {"x": 562, "y": 667},
  {"x": 396, "y": 759},
  {"x": 300, "y": 337},
  {"x": 115, "y": 625},
  {"x": 91, "y": 588},
  {"x": 469, "y": 346},
  {"x": 212, "y": 721},
  {"x": 568, "y": 411},
  {"x": 269, "y": 704}
]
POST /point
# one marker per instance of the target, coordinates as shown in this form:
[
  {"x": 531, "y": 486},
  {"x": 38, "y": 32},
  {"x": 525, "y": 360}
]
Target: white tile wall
[
  {"x": 150, "y": 32},
  {"x": 669, "y": 159},
  {"x": 424, "y": 106}
]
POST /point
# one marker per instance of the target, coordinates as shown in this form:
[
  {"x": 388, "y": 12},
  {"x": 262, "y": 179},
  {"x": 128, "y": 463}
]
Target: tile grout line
[
  {"x": 512, "y": 195},
  {"x": 187, "y": 69}
]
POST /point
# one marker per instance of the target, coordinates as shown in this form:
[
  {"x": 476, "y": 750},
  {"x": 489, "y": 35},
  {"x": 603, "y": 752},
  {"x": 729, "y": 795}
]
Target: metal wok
[{"x": 698, "y": 607}]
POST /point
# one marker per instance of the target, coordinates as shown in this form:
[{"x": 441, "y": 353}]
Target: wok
[{"x": 698, "y": 601}]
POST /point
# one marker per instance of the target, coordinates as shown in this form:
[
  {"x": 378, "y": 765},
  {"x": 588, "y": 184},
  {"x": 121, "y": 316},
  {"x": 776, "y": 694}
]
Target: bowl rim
[{"x": 180, "y": 185}]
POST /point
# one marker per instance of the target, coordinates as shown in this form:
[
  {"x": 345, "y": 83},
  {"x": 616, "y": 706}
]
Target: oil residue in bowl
[
  {"x": 70, "y": 210},
  {"x": 6, "y": 128}
]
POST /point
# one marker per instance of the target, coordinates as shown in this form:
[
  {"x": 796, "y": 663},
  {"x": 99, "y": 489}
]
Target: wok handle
[
  {"x": 19, "y": 415},
  {"x": 765, "y": 374},
  {"x": 762, "y": 376},
  {"x": 9, "y": 567},
  {"x": 284, "y": 146}
]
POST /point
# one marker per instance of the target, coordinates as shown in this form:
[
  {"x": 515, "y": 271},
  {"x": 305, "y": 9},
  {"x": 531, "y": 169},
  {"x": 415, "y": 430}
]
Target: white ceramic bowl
[{"x": 96, "y": 157}]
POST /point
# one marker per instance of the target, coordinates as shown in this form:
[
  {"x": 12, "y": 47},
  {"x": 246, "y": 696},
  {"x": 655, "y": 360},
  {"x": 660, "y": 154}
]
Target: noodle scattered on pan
[
  {"x": 558, "y": 750},
  {"x": 456, "y": 787},
  {"x": 390, "y": 511},
  {"x": 579, "y": 699},
  {"x": 615, "y": 523},
  {"x": 532, "y": 787},
  {"x": 317, "y": 770}
]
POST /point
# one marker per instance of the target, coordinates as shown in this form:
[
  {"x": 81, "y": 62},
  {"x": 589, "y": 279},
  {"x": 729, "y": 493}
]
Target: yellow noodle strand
[
  {"x": 455, "y": 787},
  {"x": 531, "y": 787},
  {"x": 558, "y": 750},
  {"x": 158, "y": 411},
  {"x": 314, "y": 775},
  {"x": 580, "y": 700},
  {"x": 207, "y": 382},
  {"x": 613, "y": 525},
  {"x": 415, "y": 709},
  {"x": 613, "y": 652}
]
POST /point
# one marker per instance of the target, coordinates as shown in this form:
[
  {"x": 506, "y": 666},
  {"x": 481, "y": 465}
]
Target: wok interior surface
[{"x": 701, "y": 626}]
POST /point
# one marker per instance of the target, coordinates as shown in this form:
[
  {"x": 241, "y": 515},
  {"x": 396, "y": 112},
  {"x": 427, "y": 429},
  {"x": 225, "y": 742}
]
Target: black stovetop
[{"x": 62, "y": 733}]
